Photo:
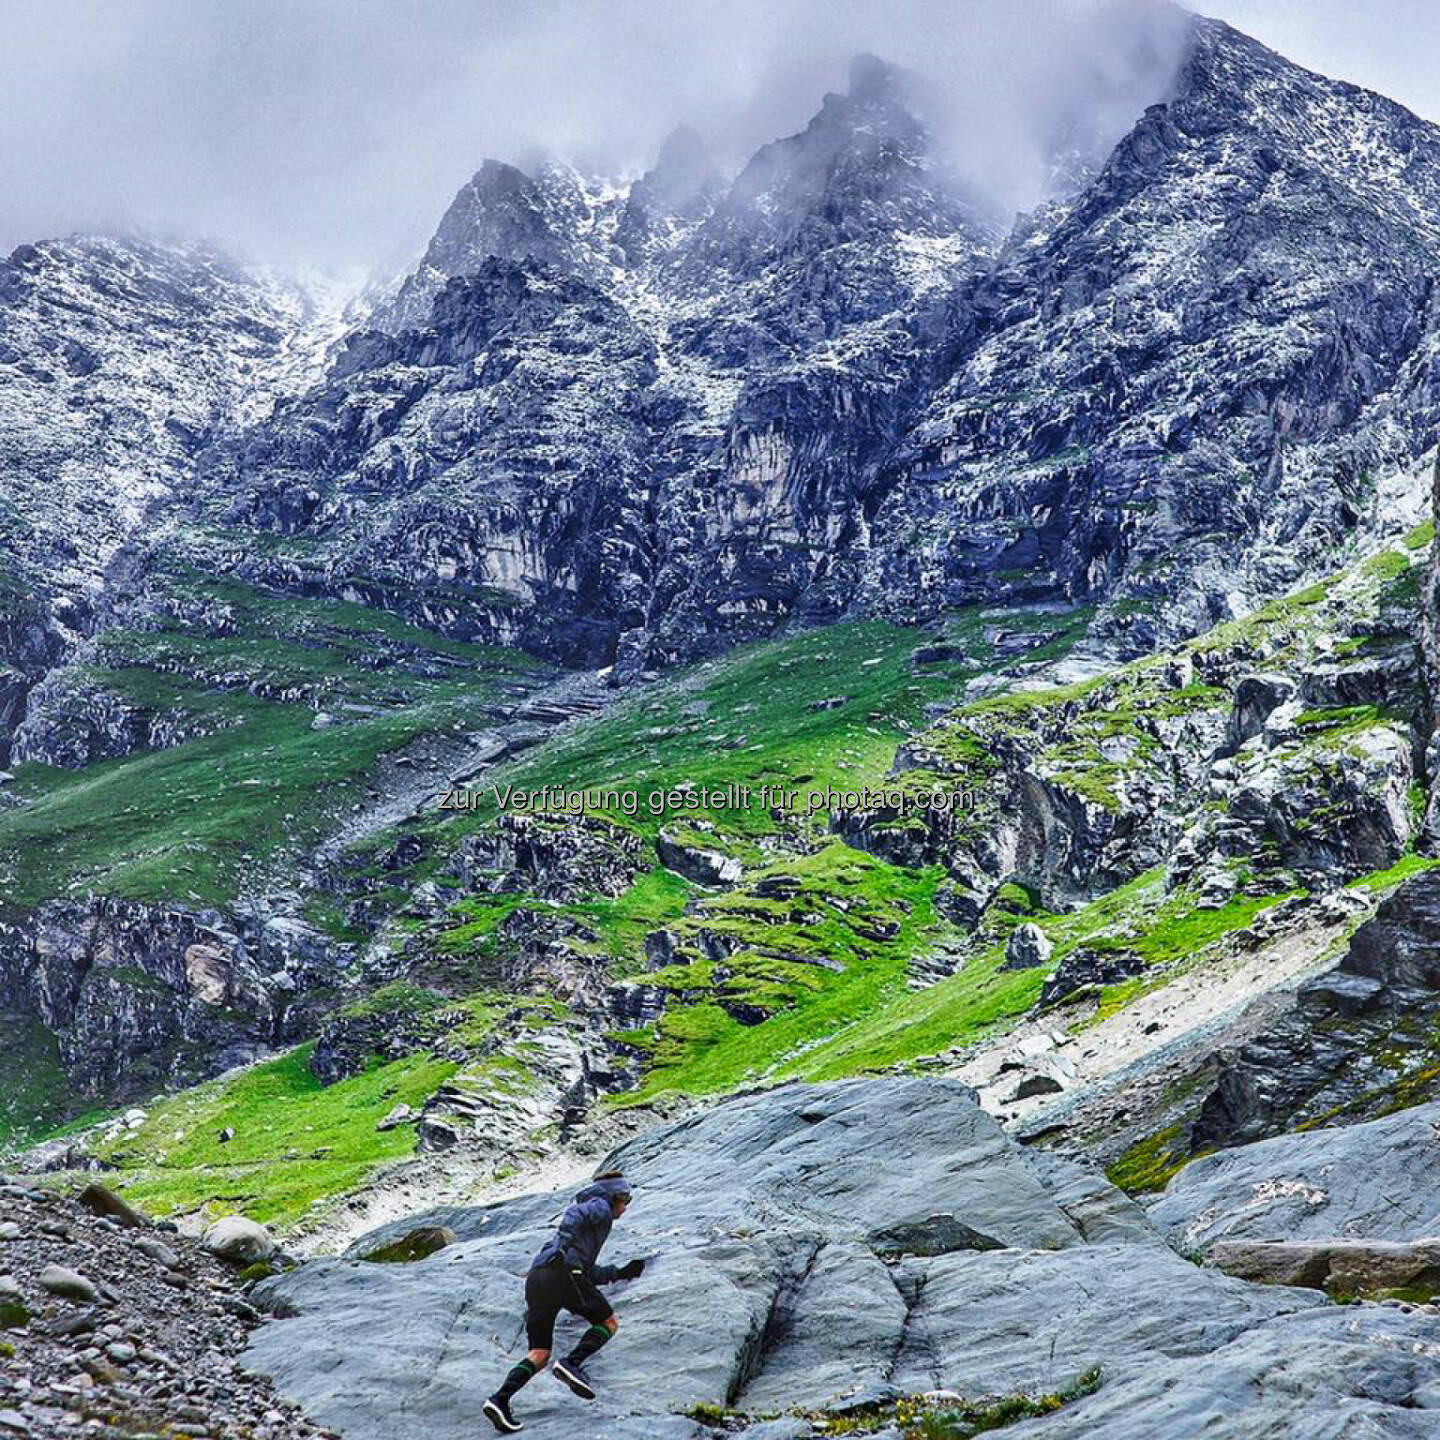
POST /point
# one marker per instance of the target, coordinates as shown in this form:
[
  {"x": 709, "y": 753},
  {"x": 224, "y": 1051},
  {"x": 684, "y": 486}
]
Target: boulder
[
  {"x": 1038, "y": 1084},
  {"x": 1344, "y": 1268},
  {"x": 705, "y": 865},
  {"x": 414, "y": 1244},
  {"x": 68, "y": 1284},
  {"x": 1027, "y": 947},
  {"x": 1379, "y": 1181},
  {"x": 238, "y": 1240},
  {"x": 100, "y": 1200},
  {"x": 394, "y": 1118}
]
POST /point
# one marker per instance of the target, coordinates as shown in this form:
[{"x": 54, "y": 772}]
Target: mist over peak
[{"x": 334, "y": 136}]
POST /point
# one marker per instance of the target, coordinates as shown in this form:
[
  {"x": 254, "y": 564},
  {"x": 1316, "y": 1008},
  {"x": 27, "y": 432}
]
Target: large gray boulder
[
  {"x": 242, "y": 1241},
  {"x": 810, "y": 1248},
  {"x": 1377, "y": 1181}
]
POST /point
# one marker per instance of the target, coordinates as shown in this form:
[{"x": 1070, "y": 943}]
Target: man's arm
[{"x": 609, "y": 1274}]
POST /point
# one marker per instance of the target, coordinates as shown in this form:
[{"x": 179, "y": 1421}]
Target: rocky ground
[
  {"x": 114, "y": 1326},
  {"x": 877, "y": 1257}
]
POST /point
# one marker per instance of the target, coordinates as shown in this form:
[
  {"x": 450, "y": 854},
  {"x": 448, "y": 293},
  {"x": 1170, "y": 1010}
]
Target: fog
[{"x": 332, "y": 133}]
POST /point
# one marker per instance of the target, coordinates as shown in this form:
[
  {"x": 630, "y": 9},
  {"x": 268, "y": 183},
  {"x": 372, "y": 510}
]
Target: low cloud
[{"x": 334, "y": 132}]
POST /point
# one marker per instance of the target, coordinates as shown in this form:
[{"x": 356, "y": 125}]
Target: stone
[
  {"x": 554, "y": 857},
  {"x": 68, "y": 1284},
  {"x": 1033, "y": 1085},
  {"x": 1314, "y": 1372},
  {"x": 238, "y": 1240},
  {"x": 412, "y": 1245},
  {"x": 159, "y": 1252},
  {"x": 399, "y": 1115},
  {"x": 109, "y": 1018},
  {"x": 9, "y": 1230},
  {"x": 100, "y": 1200},
  {"x": 1027, "y": 947}
]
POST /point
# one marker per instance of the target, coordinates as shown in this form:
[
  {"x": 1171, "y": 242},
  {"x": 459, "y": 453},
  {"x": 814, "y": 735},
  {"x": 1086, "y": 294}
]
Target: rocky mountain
[
  {"x": 836, "y": 385},
  {"x": 1059, "y": 593},
  {"x": 122, "y": 359},
  {"x": 639, "y": 423}
]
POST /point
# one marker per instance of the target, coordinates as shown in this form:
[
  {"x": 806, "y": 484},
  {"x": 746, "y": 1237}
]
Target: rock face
[
  {"x": 142, "y": 996},
  {"x": 852, "y": 1241},
  {"x": 1354, "y": 1040},
  {"x": 552, "y": 857}
]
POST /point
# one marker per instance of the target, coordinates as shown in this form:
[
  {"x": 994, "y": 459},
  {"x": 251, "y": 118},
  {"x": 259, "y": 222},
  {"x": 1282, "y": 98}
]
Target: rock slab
[{"x": 812, "y": 1248}]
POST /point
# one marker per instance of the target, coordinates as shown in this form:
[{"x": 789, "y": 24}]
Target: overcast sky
[{"x": 334, "y": 132}]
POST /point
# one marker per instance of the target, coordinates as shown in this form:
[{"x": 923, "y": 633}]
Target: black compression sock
[
  {"x": 590, "y": 1342},
  {"x": 520, "y": 1376}
]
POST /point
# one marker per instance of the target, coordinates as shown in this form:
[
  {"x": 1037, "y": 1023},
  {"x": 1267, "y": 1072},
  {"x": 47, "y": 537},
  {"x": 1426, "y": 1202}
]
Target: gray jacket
[{"x": 583, "y": 1229}]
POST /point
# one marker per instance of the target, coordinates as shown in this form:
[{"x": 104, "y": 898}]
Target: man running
[{"x": 563, "y": 1276}]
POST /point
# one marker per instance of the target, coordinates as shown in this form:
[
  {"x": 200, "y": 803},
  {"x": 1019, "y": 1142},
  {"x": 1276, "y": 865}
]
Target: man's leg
[
  {"x": 542, "y": 1304},
  {"x": 497, "y": 1408},
  {"x": 571, "y": 1370},
  {"x": 521, "y": 1374},
  {"x": 593, "y": 1339}
]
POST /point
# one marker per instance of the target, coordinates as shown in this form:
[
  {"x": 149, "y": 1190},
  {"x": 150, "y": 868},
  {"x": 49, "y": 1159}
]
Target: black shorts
[{"x": 549, "y": 1289}]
